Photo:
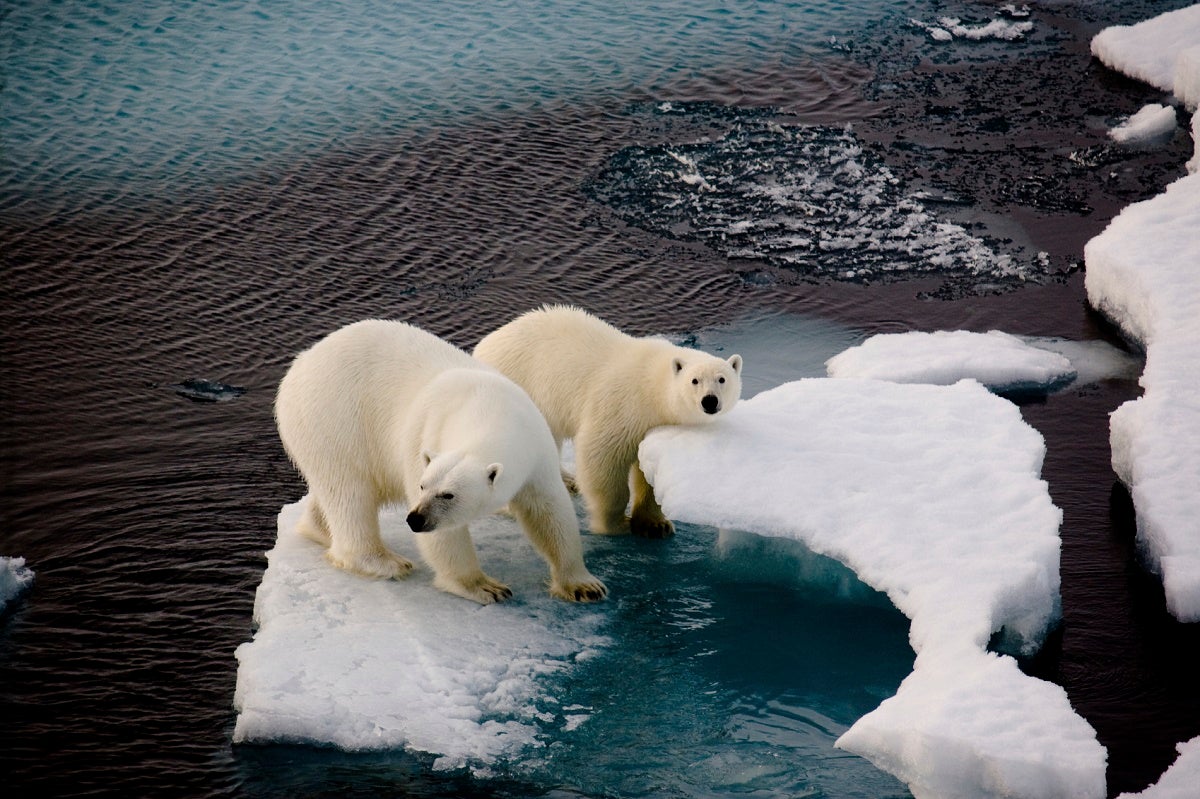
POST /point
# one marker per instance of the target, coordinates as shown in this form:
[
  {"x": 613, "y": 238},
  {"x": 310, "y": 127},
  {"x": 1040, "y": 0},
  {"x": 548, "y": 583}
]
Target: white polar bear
[
  {"x": 606, "y": 390},
  {"x": 380, "y": 412}
]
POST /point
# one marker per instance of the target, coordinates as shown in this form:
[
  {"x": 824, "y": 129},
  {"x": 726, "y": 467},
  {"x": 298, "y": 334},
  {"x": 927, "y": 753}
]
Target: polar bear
[
  {"x": 606, "y": 390},
  {"x": 380, "y": 412}
]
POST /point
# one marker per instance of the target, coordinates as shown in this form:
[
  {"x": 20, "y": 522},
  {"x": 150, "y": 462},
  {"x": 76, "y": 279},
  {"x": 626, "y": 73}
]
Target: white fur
[
  {"x": 381, "y": 412},
  {"x": 606, "y": 390}
]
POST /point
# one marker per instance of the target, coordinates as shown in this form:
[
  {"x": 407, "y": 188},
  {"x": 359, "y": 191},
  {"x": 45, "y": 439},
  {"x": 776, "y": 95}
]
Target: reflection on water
[{"x": 135, "y": 257}]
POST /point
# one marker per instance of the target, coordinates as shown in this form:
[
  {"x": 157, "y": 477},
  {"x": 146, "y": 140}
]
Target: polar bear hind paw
[{"x": 649, "y": 527}]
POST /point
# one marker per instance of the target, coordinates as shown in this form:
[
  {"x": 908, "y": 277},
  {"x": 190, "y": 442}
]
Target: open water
[{"x": 192, "y": 193}]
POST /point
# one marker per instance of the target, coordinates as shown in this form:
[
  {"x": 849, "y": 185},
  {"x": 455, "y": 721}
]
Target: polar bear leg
[
  {"x": 451, "y": 555},
  {"x": 603, "y": 474},
  {"x": 312, "y": 524},
  {"x": 355, "y": 544},
  {"x": 647, "y": 518},
  {"x": 541, "y": 517}
]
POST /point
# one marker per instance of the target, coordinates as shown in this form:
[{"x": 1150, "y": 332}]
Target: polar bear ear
[
  {"x": 678, "y": 365},
  {"x": 493, "y": 472},
  {"x": 735, "y": 361},
  {"x": 426, "y": 456}
]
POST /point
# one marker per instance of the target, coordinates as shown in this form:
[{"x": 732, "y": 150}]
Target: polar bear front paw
[
  {"x": 385, "y": 565},
  {"x": 588, "y": 589},
  {"x": 481, "y": 589}
]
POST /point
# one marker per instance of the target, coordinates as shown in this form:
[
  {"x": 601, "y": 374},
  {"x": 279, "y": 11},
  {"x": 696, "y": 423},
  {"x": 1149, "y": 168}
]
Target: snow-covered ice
[
  {"x": 1152, "y": 122},
  {"x": 1000, "y": 361},
  {"x": 1163, "y": 51},
  {"x": 948, "y": 29},
  {"x": 933, "y": 495},
  {"x": 15, "y": 579},
  {"x": 1180, "y": 781},
  {"x": 372, "y": 664},
  {"x": 1143, "y": 272}
]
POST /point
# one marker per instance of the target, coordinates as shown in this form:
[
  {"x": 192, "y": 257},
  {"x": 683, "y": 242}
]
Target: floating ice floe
[
  {"x": 15, "y": 579},
  {"x": 932, "y": 494},
  {"x": 1180, "y": 781},
  {"x": 385, "y": 664},
  {"x": 1152, "y": 122},
  {"x": 1163, "y": 51},
  {"x": 1002, "y": 362},
  {"x": 948, "y": 29},
  {"x": 1143, "y": 272}
]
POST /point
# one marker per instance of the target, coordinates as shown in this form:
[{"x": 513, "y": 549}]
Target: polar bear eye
[
  {"x": 447, "y": 495},
  {"x": 720, "y": 380},
  {"x": 695, "y": 382}
]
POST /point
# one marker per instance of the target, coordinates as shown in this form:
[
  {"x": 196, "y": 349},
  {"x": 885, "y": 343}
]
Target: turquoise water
[{"x": 169, "y": 95}]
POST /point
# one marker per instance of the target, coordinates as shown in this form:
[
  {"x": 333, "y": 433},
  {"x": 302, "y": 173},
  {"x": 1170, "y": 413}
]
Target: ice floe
[
  {"x": 933, "y": 495},
  {"x": 948, "y": 29},
  {"x": 1152, "y": 122},
  {"x": 1163, "y": 51},
  {"x": 1143, "y": 272},
  {"x": 1000, "y": 361},
  {"x": 15, "y": 579},
  {"x": 1180, "y": 781}
]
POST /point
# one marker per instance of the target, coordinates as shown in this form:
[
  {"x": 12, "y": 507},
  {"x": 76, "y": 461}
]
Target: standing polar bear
[
  {"x": 380, "y": 412},
  {"x": 606, "y": 390}
]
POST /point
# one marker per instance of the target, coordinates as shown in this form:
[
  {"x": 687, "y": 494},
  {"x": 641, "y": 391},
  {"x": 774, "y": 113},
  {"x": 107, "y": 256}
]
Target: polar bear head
[
  {"x": 454, "y": 490},
  {"x": 703, "y": 385}
]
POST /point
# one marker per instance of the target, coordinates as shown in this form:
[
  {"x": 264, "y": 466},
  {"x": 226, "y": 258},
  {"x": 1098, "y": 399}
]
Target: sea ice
[
  {"x": 1152, "y": 122},
  {"x": 1142, "y": 274},
  {"x": 1000, "y": 361},
  {"x": 376, "y": 664},
  {"x": 950, "y": 28},
  {"x": 15, "y": 579},
  {"x": 1161, "y": 51},
  {"x": 1180, "y": 781},
  {"x": 931, "y": 494}
]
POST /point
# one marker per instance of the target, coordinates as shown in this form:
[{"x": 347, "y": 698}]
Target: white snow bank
[
  {"x": 15, "y": 579},
  {"x": 931, "y": 494},
  {"x": 380, "y": 664},
  {"x": 1143, "y": 272},
  {"x": 1161, "y": 51},
  {"x": 1152, "y": 122},
  {"x": 1180, "y": 781},
  {"x": 998, "y": 360}
]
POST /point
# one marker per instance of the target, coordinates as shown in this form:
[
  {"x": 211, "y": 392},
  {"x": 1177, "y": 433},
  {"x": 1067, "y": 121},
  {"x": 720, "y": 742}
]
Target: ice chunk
[
  {"x": 950, "y": 28},
  {"x": 15, "y": 579},
  {"x": 1000, "y": 361},
  {"x": 1152, "y": 122},
  {"x": 373, "y": 664},
  {"x": 1155, "y": 50},
  {"x": 1180, "y": 781},
  {"x": 931, "y": 494},
  {"x": 1142, "y": 272}
]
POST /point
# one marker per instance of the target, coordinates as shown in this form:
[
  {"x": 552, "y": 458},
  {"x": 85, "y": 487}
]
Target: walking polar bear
[
  {"x": 606, "y": 390},
  {"x": 380, "y": 412}
]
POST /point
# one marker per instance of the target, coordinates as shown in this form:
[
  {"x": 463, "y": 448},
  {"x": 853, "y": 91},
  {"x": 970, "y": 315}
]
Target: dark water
[{"x": 145, "y": 514}]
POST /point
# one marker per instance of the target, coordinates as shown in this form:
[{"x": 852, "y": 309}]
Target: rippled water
[{"x": 197, "y": 191}]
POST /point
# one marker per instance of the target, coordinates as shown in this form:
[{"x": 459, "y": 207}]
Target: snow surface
[
  {"x": 931, "y": 494},
  {"x": 383, "y": 664},
  {"x": 1180, "y": 781},
  {"x": 1163, "y": 51},
  {"x": 1152, "y": 122},
  {"x": 1143, "y": 272},
  {"x": 1000, "y": 361},
  {"x": 15, "y": 579}
]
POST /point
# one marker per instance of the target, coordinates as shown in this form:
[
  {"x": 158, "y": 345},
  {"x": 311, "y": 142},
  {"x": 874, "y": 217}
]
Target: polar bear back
[
  {"x": 340, "y": 395},
  {"x": 590, "y": 359}
]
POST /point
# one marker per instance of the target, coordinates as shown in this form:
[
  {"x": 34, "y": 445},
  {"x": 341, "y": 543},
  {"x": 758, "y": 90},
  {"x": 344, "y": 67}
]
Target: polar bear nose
[
  {"x": 710, "y": 403},
  {"x": 416, "y": 521}
]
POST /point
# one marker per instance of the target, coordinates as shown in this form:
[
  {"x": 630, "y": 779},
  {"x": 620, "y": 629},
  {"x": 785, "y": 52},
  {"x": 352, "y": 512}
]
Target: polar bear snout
[
  {"x": 711, "y": 404},
  {"x": 417, "y": 521}
]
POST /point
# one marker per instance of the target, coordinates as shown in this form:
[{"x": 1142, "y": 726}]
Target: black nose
[
  {"x": 709, "y": 403},
  {"x": 416, "y": 521}
]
